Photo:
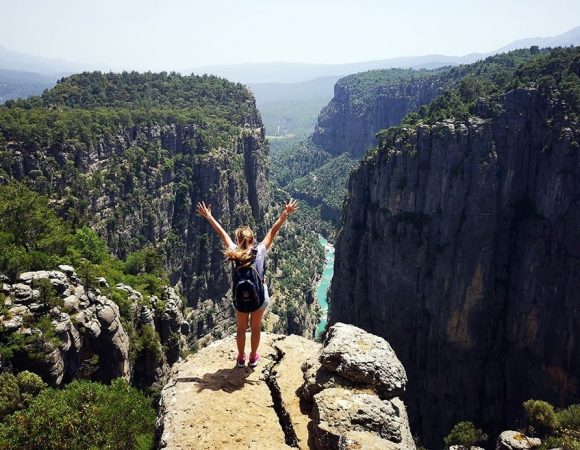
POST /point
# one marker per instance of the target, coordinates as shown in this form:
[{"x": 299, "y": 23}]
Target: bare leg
[
  {"x": 242, "y": 326},
  {"x": 255, "y": 326}
]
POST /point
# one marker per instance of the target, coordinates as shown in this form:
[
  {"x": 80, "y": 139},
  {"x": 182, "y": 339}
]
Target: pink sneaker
[
  {"x": 241, "y": 361},
  {"x": 254, "y": 360}
]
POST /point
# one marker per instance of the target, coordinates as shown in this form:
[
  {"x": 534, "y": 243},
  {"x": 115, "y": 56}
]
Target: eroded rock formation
[{"x": 84, "y": 335}]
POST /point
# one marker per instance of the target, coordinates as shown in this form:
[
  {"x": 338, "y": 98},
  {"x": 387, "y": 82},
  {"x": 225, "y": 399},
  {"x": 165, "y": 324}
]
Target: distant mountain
[
  {"x": 298, "y": 72},
  {"x": 281, "y": 72},
  {"x": 274, "y": 92},
  {"x": 571, "y": 37},
  {"x": 312, "y": 80},
  {"x": 15, "y": 84},
  {"x": 15, "y": 61}
]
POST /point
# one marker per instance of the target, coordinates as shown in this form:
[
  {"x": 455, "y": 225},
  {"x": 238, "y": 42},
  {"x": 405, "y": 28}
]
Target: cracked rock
[
  {"x": 338, "y": 411},
  {"x": 363, "y": 358}
]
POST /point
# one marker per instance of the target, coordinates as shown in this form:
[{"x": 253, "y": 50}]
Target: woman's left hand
[{"x": 291, "y": 206}]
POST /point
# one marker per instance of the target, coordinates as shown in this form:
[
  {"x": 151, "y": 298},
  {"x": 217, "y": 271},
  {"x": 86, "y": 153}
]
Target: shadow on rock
[{"x": 227, "y": 380}]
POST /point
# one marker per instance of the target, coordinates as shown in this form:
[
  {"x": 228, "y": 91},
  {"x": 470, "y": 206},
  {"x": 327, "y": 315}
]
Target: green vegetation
[
  {"x": 541, "y": 416},
  {"x": 294, "y": 118},
  {"x": 558, "y": 429},
  {"x": 552, "y": 71},
  {"x": 326, "y": 184},
  {"x": 18, "y": 391},
  {"x": 33, "y": 237},
  {"x": 309, "y": 173},
  {"x": 210, "y": 96},
  {"x": 101, "y": 136},
  {"x": 464, "y": 433},
  {"x": 49, "y": 242},
  {"x": 35, "y": 345},
  {"x": 84, "y": 415},
  {"x": 145, "y": 344},
  {"x": 297, "y": 161},
  {"x": 363, "y": 88}
]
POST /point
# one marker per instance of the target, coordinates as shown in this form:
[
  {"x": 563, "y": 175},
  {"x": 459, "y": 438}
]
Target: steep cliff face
[
  {"x": 366, "y": 103},
  {"x": 461, "y": 246}
]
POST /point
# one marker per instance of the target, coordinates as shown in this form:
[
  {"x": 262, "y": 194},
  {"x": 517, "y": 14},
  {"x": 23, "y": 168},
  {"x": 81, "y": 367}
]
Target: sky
[{"x": 181, "y": 34}]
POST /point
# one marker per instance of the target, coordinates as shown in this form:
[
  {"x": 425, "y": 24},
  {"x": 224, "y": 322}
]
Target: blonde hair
[{"x": 243, "y": 253}]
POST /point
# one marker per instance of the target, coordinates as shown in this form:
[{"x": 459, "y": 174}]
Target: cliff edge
[{"x": 341, "y": 394}]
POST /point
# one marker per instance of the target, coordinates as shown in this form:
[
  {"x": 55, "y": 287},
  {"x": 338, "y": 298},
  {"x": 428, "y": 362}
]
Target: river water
[{"x": 324, "y": 284}]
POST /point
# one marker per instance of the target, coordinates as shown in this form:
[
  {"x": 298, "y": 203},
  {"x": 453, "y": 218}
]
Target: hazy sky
[{"x": 179, "y": 34}]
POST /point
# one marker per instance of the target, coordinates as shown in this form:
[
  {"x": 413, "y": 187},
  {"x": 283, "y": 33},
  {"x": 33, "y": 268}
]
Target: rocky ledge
[{"x": 338, "y": 395}]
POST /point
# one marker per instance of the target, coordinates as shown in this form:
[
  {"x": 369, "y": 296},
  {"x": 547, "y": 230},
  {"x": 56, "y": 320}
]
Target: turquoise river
[{"x": 324, "y": 284}]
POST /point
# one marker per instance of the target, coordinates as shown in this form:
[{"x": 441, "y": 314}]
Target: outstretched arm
[
  {"x": 205, "y": 211},
  {"x": 290, "y": 207}
]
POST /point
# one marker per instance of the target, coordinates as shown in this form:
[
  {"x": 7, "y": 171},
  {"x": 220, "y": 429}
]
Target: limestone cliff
[
  {"x": 346, "y": 397},
  {"x": 461, "y": 246},
  {"x": 367, "y": 102}
]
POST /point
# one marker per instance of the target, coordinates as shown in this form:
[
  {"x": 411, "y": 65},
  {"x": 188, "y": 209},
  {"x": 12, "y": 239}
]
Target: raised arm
[
  {"x": 205, "y": 211},
  {"x": 290, "y": 207}
]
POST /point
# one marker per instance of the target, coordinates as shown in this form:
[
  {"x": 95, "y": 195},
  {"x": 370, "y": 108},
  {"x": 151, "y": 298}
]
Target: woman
[{"x": 243, "y": 252}]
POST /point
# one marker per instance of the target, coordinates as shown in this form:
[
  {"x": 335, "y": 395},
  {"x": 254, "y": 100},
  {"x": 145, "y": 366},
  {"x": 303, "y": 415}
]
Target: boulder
[
  {"x": 71, "y": 303},
  {"x": 338, "y": 411},
  {"x": 58, "y": 279},
  {"x": 317, "y": 378},
  {"x": 22, "y": 293},
  {"x": 363, "y": 358},
  {"x": 514, "y": 440},
  {"x": 5, "y": 288},
  {"x": 69, "y": 270},
  {"x": 13, "y": 324}
]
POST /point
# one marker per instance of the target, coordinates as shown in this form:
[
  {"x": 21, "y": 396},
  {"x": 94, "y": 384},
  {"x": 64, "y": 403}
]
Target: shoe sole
[{"x": 254, "y": 364}]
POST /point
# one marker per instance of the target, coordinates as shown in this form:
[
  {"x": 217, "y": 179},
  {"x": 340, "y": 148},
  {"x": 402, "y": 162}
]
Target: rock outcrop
[
  {"x": 349, "y": 123},
  {"x": 461, "y": 247},
  {"x": 283, "y": 403},
  {"x": 514, "y": 440},
  {"x": 84, "y": 335}
]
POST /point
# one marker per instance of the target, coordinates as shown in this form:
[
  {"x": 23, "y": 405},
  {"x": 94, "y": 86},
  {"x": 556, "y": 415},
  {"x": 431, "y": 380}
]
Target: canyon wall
[{"x": 461, "y": 246}]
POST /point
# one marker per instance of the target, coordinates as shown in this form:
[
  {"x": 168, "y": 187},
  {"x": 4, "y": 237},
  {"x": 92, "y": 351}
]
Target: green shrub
[
  {"x": 569, "y": 417},
  {"x": 565, "y": 438},
  {"x": 464, "y": 433},
  {"x": 30, "y": 386},
  {"x": 541, "y": 416},
  {"x": 84, "y": 415},
  {"x": 9, "y": 394},
  {"x": 47, "y": 292},
  {"x": 17, "y": 392},
  {"x": 145, "y": 344}
]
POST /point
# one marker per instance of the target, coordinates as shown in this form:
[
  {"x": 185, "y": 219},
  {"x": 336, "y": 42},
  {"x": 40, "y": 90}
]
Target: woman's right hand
[{"x": 203, "y": 210}]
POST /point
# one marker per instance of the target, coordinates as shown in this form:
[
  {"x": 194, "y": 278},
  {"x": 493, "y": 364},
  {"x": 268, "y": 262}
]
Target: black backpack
[{"x": 248, "y": 287}]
